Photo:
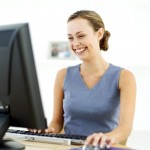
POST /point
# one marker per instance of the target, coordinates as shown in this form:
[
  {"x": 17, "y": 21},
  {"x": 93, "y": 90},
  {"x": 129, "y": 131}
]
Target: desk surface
[{"x": 46, "y": 146}]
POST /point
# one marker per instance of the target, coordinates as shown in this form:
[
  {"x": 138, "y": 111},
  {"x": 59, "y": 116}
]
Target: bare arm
[
  {"x": 127, "y": 86},
  {"x": 56, "y": 124}
]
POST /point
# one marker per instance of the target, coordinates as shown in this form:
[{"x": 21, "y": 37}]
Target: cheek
[{"x": 70, "y": 45}]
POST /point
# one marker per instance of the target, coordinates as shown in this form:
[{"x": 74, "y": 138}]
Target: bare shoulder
[
  {"x": 126, "y": 74},
  {"x": 60, "y": 76},
  {"x": 126, "y": 78},
  {"x": 62, "y": 72}
]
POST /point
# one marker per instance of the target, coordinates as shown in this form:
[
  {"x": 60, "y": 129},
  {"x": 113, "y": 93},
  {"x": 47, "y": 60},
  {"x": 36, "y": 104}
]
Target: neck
[{"x": 94, "y": 66}]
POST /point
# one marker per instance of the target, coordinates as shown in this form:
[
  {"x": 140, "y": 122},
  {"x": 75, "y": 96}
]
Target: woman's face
[{"x": 83, "y": 40}]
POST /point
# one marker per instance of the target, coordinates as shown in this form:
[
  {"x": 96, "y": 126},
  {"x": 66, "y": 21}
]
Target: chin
[{"x": 82, "y": 58}]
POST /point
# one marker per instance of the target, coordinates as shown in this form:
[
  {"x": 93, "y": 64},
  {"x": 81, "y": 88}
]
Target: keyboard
[{"x": 65, "y": 139}]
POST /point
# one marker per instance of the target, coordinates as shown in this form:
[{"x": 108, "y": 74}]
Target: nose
[{"x": 76, "y": 42}]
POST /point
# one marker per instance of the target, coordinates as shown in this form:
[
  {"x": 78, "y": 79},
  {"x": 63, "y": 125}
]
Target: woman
[{"x": 94, "y": 98}]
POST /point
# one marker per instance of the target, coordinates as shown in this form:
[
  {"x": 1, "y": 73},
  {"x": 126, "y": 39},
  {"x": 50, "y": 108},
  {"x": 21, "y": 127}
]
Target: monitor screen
[{"x": 20, "y": 99}]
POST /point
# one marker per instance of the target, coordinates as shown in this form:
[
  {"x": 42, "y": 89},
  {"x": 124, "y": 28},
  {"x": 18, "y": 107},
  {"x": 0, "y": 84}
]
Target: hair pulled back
[{"x": 96, "y": 22}]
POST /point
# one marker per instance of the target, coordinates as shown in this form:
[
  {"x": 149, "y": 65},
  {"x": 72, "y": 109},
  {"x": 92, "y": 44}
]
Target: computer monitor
[{"x": 20, "y": 99}]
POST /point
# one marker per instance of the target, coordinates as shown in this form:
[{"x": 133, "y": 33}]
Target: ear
[{"x": 100, "y": 33}]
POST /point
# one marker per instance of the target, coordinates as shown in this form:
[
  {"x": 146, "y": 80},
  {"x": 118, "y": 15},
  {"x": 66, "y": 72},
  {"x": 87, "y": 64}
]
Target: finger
[
  {"x": 97, "y": 139},
  {"x": 110, "y": 142},
  {"x": 35, "y": 130},
  {"x": 40, "y": 131},
  {"x": 31, "y": 130},
  {"x": 103, "y": 141},
  {"x": 90, "y": 138}
]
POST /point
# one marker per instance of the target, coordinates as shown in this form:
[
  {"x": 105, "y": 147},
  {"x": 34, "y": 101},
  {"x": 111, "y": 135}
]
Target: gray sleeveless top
[{"x": 91, "y": 110}]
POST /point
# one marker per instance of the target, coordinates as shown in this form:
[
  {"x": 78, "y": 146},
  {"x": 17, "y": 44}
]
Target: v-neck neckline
[{"x": 96, "y": 84}]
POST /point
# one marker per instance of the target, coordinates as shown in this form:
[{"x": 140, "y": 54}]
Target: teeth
[{"x": 79, "y": 50}]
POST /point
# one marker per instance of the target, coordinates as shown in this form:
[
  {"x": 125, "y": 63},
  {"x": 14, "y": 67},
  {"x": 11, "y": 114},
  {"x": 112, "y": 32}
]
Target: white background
[{"x": 128, "y": 22}]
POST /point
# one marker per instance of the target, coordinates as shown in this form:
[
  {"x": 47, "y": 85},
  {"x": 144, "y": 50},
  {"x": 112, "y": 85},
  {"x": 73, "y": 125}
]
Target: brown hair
[{"x": 96, "y": 22}]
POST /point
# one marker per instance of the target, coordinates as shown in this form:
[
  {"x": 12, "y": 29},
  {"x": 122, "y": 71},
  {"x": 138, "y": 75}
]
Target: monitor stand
[{"x": 7, "y": 143}]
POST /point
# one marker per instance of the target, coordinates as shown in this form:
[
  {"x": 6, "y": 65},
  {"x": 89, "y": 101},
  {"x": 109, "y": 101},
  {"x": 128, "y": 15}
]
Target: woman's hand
[
  {"x": 48, "y": 130},
  {"x": 100, "y": 139}
]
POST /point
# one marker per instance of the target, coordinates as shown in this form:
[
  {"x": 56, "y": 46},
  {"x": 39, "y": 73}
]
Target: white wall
[{"x": 128, "y": 21}]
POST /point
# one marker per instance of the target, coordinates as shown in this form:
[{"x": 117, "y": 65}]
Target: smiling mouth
[{"x": 80, "y": 51}]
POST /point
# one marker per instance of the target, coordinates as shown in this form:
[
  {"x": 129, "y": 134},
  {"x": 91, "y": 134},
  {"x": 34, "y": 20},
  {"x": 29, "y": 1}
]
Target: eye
[
  {"x": 70, "y": 38},
  {"x": 81, "y": 36}
]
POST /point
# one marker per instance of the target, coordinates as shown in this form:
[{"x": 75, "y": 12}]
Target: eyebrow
[{"x": 77, "y": 32}]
